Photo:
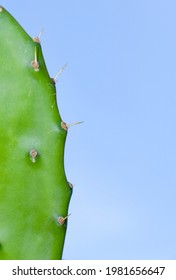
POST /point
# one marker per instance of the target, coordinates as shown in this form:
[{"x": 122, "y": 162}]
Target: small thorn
[
  {"x": 73, "y": 124},
  {"x": 41, "y": 33},
  {"x": 60, "y": 71},
  {"x": 33, "y": 154},
  {"x": 71, "y": 185},
  {"x": 61, "y": 220},
  {"x": 66, "y": 126},
  {"x": 35, "y": 63},
  {"x": 37, "y": 39}
]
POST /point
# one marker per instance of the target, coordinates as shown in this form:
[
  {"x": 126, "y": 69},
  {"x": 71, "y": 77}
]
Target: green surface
[{"x": 34, "y": 191}]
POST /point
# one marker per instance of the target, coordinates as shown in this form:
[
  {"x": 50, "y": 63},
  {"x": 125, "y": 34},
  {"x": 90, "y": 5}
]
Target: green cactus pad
[{"x": 34, "y": 191}]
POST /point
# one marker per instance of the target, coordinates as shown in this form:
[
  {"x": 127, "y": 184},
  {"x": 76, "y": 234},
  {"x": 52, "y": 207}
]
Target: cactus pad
[{"x": 34, "y": 191}]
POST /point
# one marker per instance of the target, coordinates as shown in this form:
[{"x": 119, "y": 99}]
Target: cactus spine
[{"x": 34, "y": 191}]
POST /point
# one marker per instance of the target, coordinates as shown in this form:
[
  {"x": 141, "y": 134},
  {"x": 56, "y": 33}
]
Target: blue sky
[{"x": 121, "y": 81}]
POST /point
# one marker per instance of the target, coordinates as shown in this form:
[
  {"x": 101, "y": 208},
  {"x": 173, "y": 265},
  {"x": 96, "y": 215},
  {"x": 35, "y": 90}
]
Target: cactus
[{"x": 34, "y": 191}]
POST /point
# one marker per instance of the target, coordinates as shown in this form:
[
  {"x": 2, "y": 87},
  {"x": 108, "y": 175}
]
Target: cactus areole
[{"x": 34, "y": 191}]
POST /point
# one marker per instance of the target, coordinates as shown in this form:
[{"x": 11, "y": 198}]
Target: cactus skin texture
[{"x": 34, "y": 191}]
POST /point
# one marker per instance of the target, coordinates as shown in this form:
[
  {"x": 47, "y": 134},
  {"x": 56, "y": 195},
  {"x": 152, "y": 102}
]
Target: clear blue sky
[{"x": 121, "y": 81}]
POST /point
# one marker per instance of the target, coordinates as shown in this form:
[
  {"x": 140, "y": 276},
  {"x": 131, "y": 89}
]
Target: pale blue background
[{"x": 121, "y": 81}]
